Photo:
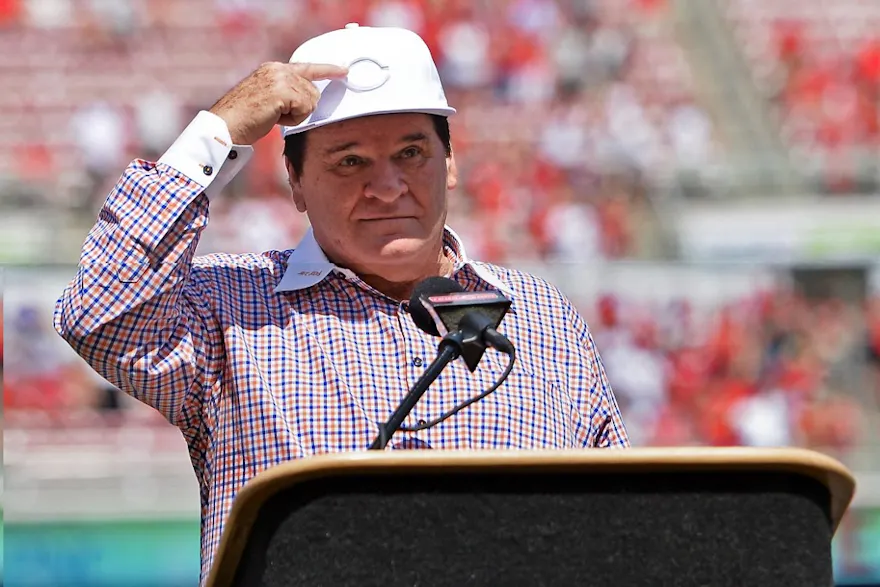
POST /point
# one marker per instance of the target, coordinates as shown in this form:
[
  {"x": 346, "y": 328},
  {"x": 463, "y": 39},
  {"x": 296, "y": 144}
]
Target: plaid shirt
[{"x": 261, "y": 358}]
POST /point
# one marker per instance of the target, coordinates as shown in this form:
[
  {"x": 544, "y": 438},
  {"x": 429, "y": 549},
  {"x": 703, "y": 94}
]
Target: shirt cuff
[{"x": 204, "y": 153}]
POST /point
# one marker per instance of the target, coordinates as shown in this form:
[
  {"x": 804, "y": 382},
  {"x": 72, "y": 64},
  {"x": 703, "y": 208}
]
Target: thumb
[{"x": 319, "y": 71}]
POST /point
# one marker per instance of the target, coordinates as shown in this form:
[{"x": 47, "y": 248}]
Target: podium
[{"x": 737, "y": 517}]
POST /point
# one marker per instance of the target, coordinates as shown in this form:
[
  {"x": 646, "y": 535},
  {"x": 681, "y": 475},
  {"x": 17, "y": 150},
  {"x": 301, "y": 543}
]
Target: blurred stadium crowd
[
  {"x": 773, "y": 369},
  {"x": 818, "y": 64}
]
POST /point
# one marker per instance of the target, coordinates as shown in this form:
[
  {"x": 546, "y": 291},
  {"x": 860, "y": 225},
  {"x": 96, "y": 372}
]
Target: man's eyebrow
[
  {"x": 342, "y": 147},
  {"x": 414, "y": 137},
  {"x": 410, "y": 138}
]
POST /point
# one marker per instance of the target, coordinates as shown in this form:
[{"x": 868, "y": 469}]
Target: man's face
[{"x": 375, "y": 191}]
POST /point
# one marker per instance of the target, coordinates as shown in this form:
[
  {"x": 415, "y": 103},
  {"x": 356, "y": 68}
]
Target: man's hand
[{"x": 275, "y": 93}]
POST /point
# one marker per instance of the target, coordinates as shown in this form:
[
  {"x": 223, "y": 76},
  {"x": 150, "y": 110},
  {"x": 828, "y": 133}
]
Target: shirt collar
[{"x": 307, "y": 264}]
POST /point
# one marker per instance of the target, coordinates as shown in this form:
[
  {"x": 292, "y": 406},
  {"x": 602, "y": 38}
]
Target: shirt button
[
  {"x": 417, "y": 362},
  {"x": 233, "y": 154},
  {"x": 422, "y": 422},
  {"x": 207, "y": 170}
]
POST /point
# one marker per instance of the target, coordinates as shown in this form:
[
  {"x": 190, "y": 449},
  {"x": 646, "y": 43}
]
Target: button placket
[{"x": 415, "y": 362}]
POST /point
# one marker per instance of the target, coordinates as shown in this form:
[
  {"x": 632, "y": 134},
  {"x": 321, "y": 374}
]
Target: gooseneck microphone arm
[{"x": 449, "y": 349}]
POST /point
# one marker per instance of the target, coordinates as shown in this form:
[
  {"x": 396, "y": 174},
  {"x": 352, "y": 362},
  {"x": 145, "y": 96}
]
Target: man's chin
[
  {"x": 397, "y": 247},
  {"x": 395, "y": 241}
]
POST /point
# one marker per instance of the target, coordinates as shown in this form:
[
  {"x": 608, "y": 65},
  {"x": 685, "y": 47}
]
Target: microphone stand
[{"x": 449, "y": 349}]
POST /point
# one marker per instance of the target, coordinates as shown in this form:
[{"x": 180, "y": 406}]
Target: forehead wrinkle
[{"x": 356, "y": 131}]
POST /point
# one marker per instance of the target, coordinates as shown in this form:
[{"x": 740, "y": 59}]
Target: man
[{"x": 261, "y": 358}]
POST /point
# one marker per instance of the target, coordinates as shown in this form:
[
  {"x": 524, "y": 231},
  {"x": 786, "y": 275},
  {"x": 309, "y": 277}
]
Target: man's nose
[{"x": 386, "y": 182}]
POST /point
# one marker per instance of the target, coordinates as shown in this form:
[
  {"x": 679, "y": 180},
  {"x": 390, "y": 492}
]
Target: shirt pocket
[{"x": 527, "y": 411}]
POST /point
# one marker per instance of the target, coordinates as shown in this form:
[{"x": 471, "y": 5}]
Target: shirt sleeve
[
  {"x": 134, "y": 310},
  {"x": 593, "y": 393}
]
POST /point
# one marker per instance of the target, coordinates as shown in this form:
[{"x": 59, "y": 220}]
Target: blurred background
[{"x": 699, "y": 176}]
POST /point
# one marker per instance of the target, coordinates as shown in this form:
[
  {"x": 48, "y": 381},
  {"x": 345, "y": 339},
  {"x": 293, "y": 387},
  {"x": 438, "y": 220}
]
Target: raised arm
[{"x": 136, "y": 311}]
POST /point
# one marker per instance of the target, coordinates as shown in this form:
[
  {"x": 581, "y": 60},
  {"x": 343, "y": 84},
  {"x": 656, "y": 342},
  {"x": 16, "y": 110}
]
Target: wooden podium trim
[{"x": 828, "y": 471}]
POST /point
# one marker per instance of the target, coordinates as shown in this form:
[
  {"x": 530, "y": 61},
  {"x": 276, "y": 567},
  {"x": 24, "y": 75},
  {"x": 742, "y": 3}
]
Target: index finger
[{"x": 318, "y": 71}]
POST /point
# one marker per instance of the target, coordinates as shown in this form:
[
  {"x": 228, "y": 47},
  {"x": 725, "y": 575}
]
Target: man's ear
[
  {"x": 295, "y": 186},
  {"x": 451, "y": 172}
]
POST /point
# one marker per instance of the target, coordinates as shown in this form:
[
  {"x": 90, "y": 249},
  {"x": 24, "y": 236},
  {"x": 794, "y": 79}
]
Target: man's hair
[{"x": 295, "y": 145}]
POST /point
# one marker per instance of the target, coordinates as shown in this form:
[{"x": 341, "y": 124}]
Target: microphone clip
[
  {"x": 472, "y": 327},
  {"x": 470, "y": 341},
  {"x": 454, "y": 339}
]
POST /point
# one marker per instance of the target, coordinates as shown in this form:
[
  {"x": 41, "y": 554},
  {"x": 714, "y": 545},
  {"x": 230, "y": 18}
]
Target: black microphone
[
  {"x": 440, "y": 305},
  {"x": 466, "y": 332}
]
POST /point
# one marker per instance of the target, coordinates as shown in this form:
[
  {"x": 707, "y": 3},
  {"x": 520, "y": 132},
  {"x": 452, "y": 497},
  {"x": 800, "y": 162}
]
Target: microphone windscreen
[{"x": 429, "y": 287}]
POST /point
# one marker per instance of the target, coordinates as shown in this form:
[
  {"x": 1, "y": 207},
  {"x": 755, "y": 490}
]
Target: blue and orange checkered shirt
[{"x": 262, "y": 358}]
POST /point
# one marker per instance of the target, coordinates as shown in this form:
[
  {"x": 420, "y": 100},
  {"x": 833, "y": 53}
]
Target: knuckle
[{"x": 272, "y": 70}]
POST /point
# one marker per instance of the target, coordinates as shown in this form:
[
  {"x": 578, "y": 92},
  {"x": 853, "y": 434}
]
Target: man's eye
[
  {"x": 410, "y": 152},
  {"x": 350, "y": 161}
]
